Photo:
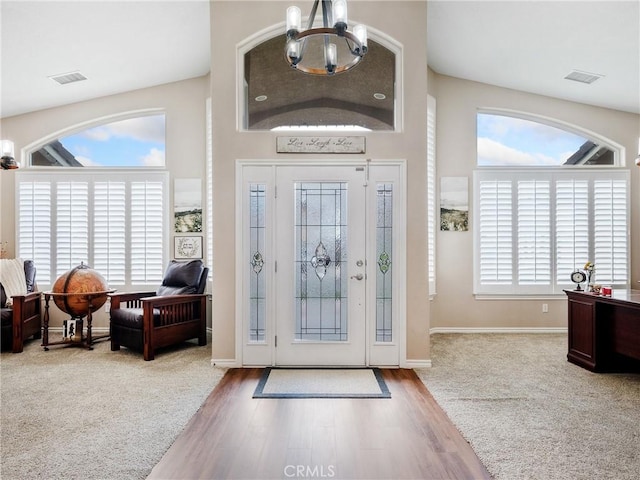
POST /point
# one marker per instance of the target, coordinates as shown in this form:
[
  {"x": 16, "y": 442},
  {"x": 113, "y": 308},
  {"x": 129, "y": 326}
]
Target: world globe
[{"x": 81, "y": 279}]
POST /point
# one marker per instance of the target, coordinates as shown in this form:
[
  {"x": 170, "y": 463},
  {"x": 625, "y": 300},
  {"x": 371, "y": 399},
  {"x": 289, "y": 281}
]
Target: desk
[
  {"x": 88, "y": 340},
  {"x": 604, "y": 332}
]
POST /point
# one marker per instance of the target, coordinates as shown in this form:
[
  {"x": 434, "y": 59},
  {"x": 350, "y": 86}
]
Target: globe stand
[{"x": 88, "y": 297}]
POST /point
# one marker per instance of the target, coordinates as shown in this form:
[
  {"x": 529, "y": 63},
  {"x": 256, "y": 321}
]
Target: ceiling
[{"x": 126, "y": 45}]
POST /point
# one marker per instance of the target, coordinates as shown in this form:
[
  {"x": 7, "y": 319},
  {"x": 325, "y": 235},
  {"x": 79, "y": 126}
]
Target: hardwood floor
[{"x": 234, "y": 436}]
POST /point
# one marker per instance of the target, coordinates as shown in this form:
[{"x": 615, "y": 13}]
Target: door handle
[{"x": 358, "y": 276}]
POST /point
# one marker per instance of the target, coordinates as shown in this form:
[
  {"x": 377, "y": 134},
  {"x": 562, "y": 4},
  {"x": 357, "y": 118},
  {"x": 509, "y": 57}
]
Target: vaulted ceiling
[{"x": 126, "y": 45}]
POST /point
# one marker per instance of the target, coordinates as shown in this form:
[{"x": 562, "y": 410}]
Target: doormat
[{"x": 322, "y": 383}]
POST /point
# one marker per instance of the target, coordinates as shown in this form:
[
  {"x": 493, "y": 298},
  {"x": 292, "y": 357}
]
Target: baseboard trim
[
  {"x": 224, "y": 362},
  {"x": 497, "y": 330},
  {"x": 417, "y": 364}
]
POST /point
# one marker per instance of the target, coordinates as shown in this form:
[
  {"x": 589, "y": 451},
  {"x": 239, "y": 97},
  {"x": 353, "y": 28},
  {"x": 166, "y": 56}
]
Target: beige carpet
[
  {"x": 529, "y": 414},
  {"x": 75, "y": 414}
]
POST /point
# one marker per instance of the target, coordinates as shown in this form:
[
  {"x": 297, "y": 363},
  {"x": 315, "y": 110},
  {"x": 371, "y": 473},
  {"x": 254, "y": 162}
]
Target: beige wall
[
  {"x": 184, "y": 106},
  {"x": 234, "y": 22},
  {"x": 457, "y": 104}
]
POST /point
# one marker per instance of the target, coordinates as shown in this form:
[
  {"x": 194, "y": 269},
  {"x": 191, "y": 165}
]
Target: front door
[
  {"x": 321, "y": 264},
  {"x": 321, "y": 253}
]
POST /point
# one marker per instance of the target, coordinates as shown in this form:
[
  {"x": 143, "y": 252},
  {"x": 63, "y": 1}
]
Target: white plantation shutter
[
  {"x": 534, "y": 232},
  {"x": 109, "y": 230},
  {"x": 536, "y": 227},
  {"x": 572, "y": 227},
  {"x": 115, "y": 222},
  {"x": 72, "y": 225},
  {"x": 610, "y": 220},
  {"x": 209, "y": 190},
  {"x": 495, "y": 232},
  {"x": 34, "y": 226},
  {"x": 147, "y": 229},
  {"x": 431, "y": 192}
]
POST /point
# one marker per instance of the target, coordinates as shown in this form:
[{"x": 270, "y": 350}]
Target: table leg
[
  {"x": 45, "y": 326},
  {"x": 89, "y": 319}
]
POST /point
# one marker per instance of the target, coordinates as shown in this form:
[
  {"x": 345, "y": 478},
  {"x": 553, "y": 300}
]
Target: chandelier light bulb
[
  {"x": 360, "y": 31},
  {"x": 294, "y": 20},
  {"x": 340, "y": 14},
  {"x": 331, "y": 58}
]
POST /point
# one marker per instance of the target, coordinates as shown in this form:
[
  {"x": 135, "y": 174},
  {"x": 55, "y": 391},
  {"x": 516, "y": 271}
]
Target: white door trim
[{"x": 268, "y": 166}]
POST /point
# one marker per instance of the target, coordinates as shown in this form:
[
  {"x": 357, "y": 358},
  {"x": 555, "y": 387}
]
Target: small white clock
[{"x": 578, "y": 277}]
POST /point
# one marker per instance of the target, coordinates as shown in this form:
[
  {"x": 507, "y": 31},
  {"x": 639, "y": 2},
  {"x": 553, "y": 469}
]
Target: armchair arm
[
  {"x": 129, "y": 299},
  {"x": 172, "y": 309},
  {"x": 27, "y": 319},
  {"x": 27, "y": 305}
]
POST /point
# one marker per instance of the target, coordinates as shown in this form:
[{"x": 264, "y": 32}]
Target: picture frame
[
  {"x": 454, "y": 204},
  {"x": 187, "y": 207},
  {"x": 187, "y": 247}
]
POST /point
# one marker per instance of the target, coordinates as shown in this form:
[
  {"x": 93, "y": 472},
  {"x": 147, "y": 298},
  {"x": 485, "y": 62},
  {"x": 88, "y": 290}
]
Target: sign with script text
[{"x": 320, "y": 145}]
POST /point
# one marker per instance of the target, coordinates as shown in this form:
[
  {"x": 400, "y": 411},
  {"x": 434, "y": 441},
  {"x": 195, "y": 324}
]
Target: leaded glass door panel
[
  {"x": 321, "y": 264},
  {"x": 321, "y": 255}
]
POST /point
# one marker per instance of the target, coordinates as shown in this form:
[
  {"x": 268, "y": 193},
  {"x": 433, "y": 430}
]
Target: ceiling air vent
[
  {"x": 65, "y": 78},
  {"x": 583, "y": 77}
]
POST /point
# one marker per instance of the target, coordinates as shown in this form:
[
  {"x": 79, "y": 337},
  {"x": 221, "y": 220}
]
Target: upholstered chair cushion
[
  {"x": 182, "y": 278},
  {"x": 127, "y": 317}
]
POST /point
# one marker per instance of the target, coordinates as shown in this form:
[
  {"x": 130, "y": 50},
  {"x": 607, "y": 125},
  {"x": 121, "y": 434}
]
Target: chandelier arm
[
  {"x": 353, "y": 50},
  {"x": 327, "y": 19},
  {"x": 312, "y": 15}
]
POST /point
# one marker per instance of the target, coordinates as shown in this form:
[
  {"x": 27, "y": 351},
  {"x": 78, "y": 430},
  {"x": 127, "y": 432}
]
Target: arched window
[
  {"x": 510, "y": 141},
  {"x": 546, "y": 201},
  {"x": 132, "y": 142}
]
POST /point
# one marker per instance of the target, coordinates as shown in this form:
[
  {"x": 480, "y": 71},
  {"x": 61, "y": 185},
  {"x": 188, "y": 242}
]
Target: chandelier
[{"x": 325, "y": 50}]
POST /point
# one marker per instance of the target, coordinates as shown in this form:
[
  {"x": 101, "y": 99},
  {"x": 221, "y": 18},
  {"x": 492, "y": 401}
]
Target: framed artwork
[
  {"x": 187, "y": 205},
  {"x": 187, "y": 247},
  {"x": 454, "y": 204}
]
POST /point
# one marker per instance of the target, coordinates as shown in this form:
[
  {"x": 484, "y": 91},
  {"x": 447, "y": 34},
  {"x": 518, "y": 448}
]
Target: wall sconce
[
  {"x": 7, "y": 161},
  {"x": 638, "y": 157}
]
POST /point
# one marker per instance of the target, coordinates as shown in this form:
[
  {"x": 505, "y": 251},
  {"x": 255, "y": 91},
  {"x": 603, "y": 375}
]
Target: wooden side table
[{"x": 86, "y": 341}]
